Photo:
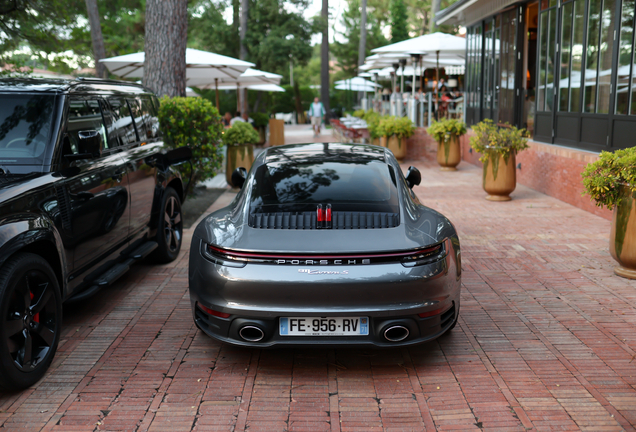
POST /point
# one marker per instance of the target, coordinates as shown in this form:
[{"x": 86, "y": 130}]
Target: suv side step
[{"x": 115, "y": 272}]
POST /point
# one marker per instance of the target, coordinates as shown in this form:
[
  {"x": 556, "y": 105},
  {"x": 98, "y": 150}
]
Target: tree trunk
[
  {"x": 166, "y": 38},
  {"x": 243, "y": 54},
  {"x": 324, "y": 58},
  {"x": 300, "y": 116},
  {"x": 99, "y": 52},
  {"x": 362, "y": 48},
  {"x": 435, "y": 4}
]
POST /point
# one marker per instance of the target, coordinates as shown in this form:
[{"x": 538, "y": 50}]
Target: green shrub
[
  {"x": 239, "y": 134},
  {"x": 492, "y": 141},
  {"x": 611, "y": 178},
  {"x": 442, "y": 130},
  {"x": 261, "y": 120},
  {"x": 402, "y": 127},
  {"x": 359, "y": 113},
  {"x": 195, "y": 123}
]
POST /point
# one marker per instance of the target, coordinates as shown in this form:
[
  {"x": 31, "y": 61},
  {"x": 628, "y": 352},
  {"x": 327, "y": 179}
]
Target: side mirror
[
  {"x": 238, "y": 177},
  {"x": 90, "y": 143},
  {"x": 413, "y": 177},
  {"x": 178, "y": 155}
]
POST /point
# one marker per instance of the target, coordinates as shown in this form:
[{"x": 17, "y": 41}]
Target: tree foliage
[
  {"x": 346, "y": 52},
  {"x": 399, "y": 18}
]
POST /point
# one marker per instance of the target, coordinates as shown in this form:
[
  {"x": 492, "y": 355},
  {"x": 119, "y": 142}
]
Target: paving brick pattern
[{"x": 546, "y": 341}]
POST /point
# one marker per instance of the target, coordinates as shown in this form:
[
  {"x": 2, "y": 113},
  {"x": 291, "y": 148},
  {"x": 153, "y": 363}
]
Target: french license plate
[{"x": 323, "y": 326}]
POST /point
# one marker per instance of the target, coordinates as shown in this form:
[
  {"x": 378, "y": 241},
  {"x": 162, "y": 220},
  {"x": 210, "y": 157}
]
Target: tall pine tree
[{"x": 399, "y": 24}]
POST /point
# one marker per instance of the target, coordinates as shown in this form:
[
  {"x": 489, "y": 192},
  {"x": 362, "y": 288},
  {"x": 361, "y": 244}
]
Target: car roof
[
  {"x": 325, "y": 152},
  {"x": 79, "y": 85}
]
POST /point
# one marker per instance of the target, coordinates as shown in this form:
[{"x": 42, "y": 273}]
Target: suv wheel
[
  {"x": 30, "y": 320},
  {"x": 170, "y": 229}
]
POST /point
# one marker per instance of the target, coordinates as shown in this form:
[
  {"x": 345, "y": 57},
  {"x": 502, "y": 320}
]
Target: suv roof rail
[{"x": 106, "y": 80}]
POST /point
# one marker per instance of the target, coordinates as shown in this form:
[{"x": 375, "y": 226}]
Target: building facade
[{"x": 565, "y": 70}]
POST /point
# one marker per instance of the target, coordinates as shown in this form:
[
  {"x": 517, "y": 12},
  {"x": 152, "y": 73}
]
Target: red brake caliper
[{"x": 36, "y": 317}]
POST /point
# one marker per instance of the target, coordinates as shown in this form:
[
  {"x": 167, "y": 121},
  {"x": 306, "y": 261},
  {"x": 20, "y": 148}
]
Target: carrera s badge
[{"x": 319, "y": 272}]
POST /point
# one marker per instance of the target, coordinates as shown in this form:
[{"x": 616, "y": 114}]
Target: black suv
[{"x": 86, "y": 189}]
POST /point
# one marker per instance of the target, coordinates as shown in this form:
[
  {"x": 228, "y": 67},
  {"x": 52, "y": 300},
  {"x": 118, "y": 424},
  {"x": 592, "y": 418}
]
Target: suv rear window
[
  {"x": 363, "y": 187},
  {"x": 25, "y": 127}
]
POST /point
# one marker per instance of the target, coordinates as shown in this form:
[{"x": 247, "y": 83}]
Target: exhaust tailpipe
[
  {"x": 251, "y": 333},
  {"x": 396, "y": 333}
]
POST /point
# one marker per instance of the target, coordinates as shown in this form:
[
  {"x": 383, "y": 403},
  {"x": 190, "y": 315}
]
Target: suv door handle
[{"x": 119, "y": 175}]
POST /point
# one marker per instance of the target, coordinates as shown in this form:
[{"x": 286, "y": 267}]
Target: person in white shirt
[
  {"x": 237, "y": 118},
  {"x": 316, "y": 112}
]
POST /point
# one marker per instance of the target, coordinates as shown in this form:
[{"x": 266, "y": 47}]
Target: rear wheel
[
  {"x": 170, "y": 229},
  {"x": 30, "y": 320}
]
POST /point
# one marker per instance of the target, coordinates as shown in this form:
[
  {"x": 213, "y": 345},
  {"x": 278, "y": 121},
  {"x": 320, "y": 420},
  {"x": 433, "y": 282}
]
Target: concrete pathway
[{"x": 546, "y": 341}]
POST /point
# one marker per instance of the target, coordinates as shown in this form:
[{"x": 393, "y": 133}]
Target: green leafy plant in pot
[
  {"x": 447, "y": 133},
  {"x": 240, "y": 140},
  {"x": 611, "y": 183},
  {"x": 498, "y": 147},
  {"x": 373, "y": 122},
  {"x": 261, "y": 120},
  {"x": 396, "y": 130}
]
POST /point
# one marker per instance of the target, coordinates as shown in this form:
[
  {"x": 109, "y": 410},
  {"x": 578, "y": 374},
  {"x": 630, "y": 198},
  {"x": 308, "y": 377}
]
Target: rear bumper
[
  {"x": 388, "y": 294},
  {"x": 419, "y": 330}
]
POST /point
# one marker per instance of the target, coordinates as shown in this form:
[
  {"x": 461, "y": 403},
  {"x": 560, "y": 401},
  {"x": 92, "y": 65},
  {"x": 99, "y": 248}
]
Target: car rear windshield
[
  {"x": 25, "y": 128},
  {"x": 354, "y": 187}
]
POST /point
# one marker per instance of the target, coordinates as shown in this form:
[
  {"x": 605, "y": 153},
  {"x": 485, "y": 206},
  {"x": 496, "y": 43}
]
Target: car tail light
[
  {"x": 409, "y": 258},
  {"x": 212, "y": 312},
  {"x": 424, "y": 256}
]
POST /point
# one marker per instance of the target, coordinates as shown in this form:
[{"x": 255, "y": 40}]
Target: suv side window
[
  {"x": 139, "y": 118},
  {"x": 150, "y": 114},
  {"x": 123, "y": 128},
  {"x": 83, "y": 115}
]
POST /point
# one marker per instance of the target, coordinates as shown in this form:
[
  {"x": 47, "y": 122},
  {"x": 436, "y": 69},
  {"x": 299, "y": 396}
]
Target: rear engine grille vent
[{"x": 340, "y": 220}]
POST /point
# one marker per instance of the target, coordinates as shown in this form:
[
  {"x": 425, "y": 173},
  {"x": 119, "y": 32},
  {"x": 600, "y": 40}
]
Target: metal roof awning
[{"x": 467, "y": 12}]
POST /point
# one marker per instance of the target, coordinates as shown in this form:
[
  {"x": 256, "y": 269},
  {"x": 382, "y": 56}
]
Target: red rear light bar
[{"x": 234, "y": 254}]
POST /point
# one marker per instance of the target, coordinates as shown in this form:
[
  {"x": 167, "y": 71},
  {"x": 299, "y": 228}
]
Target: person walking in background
[{"x": 316, "y": 112}]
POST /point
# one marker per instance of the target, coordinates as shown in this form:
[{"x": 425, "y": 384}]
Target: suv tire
[
  {"x": 170, "y": 229},
  {"x": 30, "y": 319}
]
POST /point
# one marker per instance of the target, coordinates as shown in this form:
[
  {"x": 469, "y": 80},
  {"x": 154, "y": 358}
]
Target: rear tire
[
  {"x": 170, "y": 229},
  {"x": 30, "y": 320}
]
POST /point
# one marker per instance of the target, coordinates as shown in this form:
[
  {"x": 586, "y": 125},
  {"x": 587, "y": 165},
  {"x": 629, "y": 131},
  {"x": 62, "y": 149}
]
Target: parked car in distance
[
  {"x": 86, "y": 190},
  {"x": 325, "y": 244}
]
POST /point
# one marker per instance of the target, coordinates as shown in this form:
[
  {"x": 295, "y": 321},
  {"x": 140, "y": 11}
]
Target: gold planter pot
[
  {"x": 499, "y": 176},
  {"x": 238, "y": 156},
  {"x": 449, "y": 154},
  {"x": 383, "y": 141},
  {"x": 397, "y": 146},
  {"x": 623, "y": 236},
  {"x": 376, "y": 142}
]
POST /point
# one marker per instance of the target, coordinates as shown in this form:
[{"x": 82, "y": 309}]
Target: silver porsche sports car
[{"x": 325, "y": 244}]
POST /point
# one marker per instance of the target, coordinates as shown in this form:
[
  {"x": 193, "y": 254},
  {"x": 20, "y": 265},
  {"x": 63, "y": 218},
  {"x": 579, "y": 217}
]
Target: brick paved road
[{"x": 546, "y": 341}]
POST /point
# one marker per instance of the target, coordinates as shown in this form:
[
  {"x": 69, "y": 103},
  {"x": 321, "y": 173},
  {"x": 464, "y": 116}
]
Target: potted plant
[
  {"x": 373, "y": 122},
  {"x": 261, "y": 120},
  {"x": 240, "y": 140},
  {"x": 611, "y": 183},
  {"x": 446, "y": 133},
  {"x": 396, "y": 130},
  {"x": 498, "y": 148}
]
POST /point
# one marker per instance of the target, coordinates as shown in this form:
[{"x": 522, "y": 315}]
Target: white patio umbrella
[
  {"x": 438, "y": 43},
  {"x": 356, "y": 87},
  {"x": 359, "y": 81},
  {"x": 199, "y": 65},
  {"x": 431, "y": 43},
  {"x": 256, "y": 87}
]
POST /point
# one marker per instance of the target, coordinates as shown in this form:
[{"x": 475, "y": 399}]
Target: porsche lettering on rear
[{"x": 324, "y": 262}]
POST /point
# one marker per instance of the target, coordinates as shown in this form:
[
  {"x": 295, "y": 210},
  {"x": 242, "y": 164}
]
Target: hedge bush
[{"x": 196, "y": 123}]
